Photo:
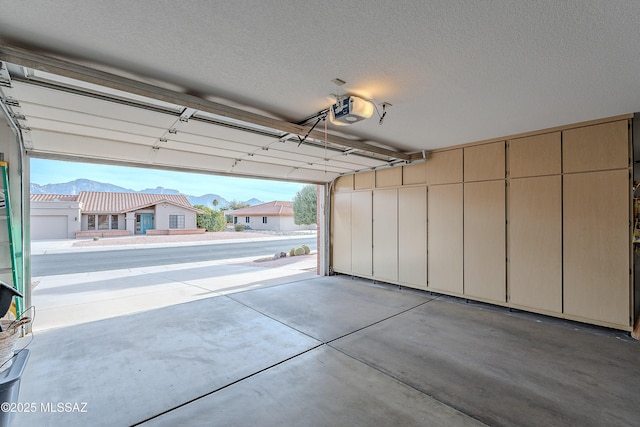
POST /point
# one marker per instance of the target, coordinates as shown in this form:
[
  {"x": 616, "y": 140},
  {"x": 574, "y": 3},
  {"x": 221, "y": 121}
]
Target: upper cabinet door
[
  {"x": 390, "y": 177},
  {"x": 484, "y": 162},
  {"x": 444, "y": 167},
  {"x": 597, "y": 147},
  {"x": 537, "y": 155}
]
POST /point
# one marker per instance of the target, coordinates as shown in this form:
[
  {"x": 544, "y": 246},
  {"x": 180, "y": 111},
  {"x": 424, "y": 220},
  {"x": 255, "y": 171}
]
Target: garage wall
[
  {"x": 18, "y": 171},
  {"x": 539, "y": 222}
]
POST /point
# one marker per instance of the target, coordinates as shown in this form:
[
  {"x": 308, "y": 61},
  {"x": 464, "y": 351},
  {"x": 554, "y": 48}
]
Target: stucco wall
[
  {"x": 164, "y": 210},
  {"x": 274, "y": 223},
  {"x": 42, "y": 214}
]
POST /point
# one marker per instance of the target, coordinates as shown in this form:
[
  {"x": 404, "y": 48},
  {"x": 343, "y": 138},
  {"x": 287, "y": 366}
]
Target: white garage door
[{"x": 49, "y": 227}]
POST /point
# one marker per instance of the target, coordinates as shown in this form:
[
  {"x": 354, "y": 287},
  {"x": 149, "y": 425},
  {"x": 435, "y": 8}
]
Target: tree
[
  {"x": 305, "y": 205},
  {"x": 234, "y": 205},
  {"x": 211, "y": 219},
  {"x": 215, "y": 203}
]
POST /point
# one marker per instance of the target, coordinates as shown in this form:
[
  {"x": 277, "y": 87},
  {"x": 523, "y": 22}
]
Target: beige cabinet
[
  {"x": 414, "y": 174},
  {"x": 343, "y": 183},
  {"x": 485, "y": 240},
  {"x": 484, "y": 162},
  {"x": 412, "y": 236},
  {"x": 341, "y": 233},
  {"x": 385, "y": 235},
  {"x": 364, "y": 180},
  {"x": 445, "y": 238},
  {"x": 597, "y": 147},
  {"x": 441, "y": 224},
  {"x": 535, "y": 155},
  {"x": 597, "y": 246},
  {"x": 444, "y": 167},
  {"x": 389, "y": 177},
  {"x": 361, "y": 233},
  {"x": 535, "y": 243}
]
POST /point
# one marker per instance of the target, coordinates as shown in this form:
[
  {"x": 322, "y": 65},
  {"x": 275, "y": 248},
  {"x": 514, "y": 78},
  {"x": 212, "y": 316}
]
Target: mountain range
[{"x": 78, "y": 185}]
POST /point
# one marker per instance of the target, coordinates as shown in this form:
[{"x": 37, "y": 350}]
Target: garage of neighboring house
[
  {"x": 54, "y": 216},
  {"x": 478, "y": 227}
]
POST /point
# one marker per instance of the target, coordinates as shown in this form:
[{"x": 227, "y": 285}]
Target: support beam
[{"x": 72, "y": 70}]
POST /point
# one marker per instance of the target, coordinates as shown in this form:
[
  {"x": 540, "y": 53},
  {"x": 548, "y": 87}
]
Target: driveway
[{"x": 75, "y": 298}]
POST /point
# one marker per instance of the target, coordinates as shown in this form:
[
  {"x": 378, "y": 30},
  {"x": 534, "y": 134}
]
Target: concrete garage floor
[{"x": 333, "y": 351}]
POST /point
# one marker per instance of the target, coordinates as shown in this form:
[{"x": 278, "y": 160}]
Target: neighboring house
[
  {"x": 102, "y": 214},
  {"x": 276, "y": 216}
]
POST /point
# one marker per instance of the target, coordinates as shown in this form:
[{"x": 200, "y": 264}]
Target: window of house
[
  {"x": 91, "y": 222},
  {"x": 235, "y": 219},
  {"x": 246, "y": 219},
  {"x": 264, "y": 219},
  {"x": 176, "y": 221},
  {"x": 103, "y": 222},
  {"x": 114, "y": 222}
]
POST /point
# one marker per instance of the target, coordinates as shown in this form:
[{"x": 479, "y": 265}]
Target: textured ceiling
[{"x": 455, "y": 71}]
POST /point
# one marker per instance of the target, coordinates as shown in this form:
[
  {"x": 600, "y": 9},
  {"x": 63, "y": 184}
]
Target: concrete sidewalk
[{"x": 41, "y": 247}]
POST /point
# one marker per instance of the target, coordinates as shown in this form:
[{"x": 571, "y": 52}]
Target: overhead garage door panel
[
  {"x": 49, "y": 227},
  {"x": 211, "y": 141},
  {"x": 63, "y": 123},
  {"x": 185, "y": 159},
  {"x": 207, "y": 151},
  {"x": 80, "y": 103},
  {"x": 63, "y": 144},
  {"x": 250, "y": 167},
  {"x": 206, "y": 129},
  {"x": 312, "y": 175},
  {"x": 37, "y": 112},
  {"x": 314, "y": 162},
  {"x": 91, "y": 132},
  {"x": 350, "y": 159}
]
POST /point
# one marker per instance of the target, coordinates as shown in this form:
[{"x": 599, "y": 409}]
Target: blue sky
[{"x": 54, "y": 172}]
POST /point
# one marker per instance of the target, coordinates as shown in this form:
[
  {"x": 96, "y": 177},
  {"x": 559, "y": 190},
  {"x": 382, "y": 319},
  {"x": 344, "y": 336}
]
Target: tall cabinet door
[
  {"x": 445, "y": 238},
  {"x": 341, "y": 233},
  {"x": 361, "y": 233},
  {"x": 596, "y": 246},
  {"x": 385, "y": 235},
  {"x": 535, "y": 242},
  {"x": 412, "y": 236},
  {"x": 485, "y": 240}
]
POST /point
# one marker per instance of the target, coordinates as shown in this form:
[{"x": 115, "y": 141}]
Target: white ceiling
[{"x": 455, "y": 72}]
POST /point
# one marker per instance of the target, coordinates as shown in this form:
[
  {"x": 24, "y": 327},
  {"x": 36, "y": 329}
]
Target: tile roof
[
  {"x": 53, "y": 197},
  {"x": 106, "y": 202},
  {"x": 95, "y": 201},
  {"x": 275, "y": 208}
]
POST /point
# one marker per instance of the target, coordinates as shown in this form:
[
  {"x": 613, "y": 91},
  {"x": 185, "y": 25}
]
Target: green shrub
[
  {"x": 292, "y": 252},
  {"x": 210, "y": 219},
  {"x": 298, "y": 251},
  {"x": 307, "y": 249},
  {"x": 239, "y": 227}
]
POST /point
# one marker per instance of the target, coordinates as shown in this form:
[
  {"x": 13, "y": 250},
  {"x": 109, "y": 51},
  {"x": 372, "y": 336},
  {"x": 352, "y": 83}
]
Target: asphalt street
[{"x": 83, "y": 262}]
